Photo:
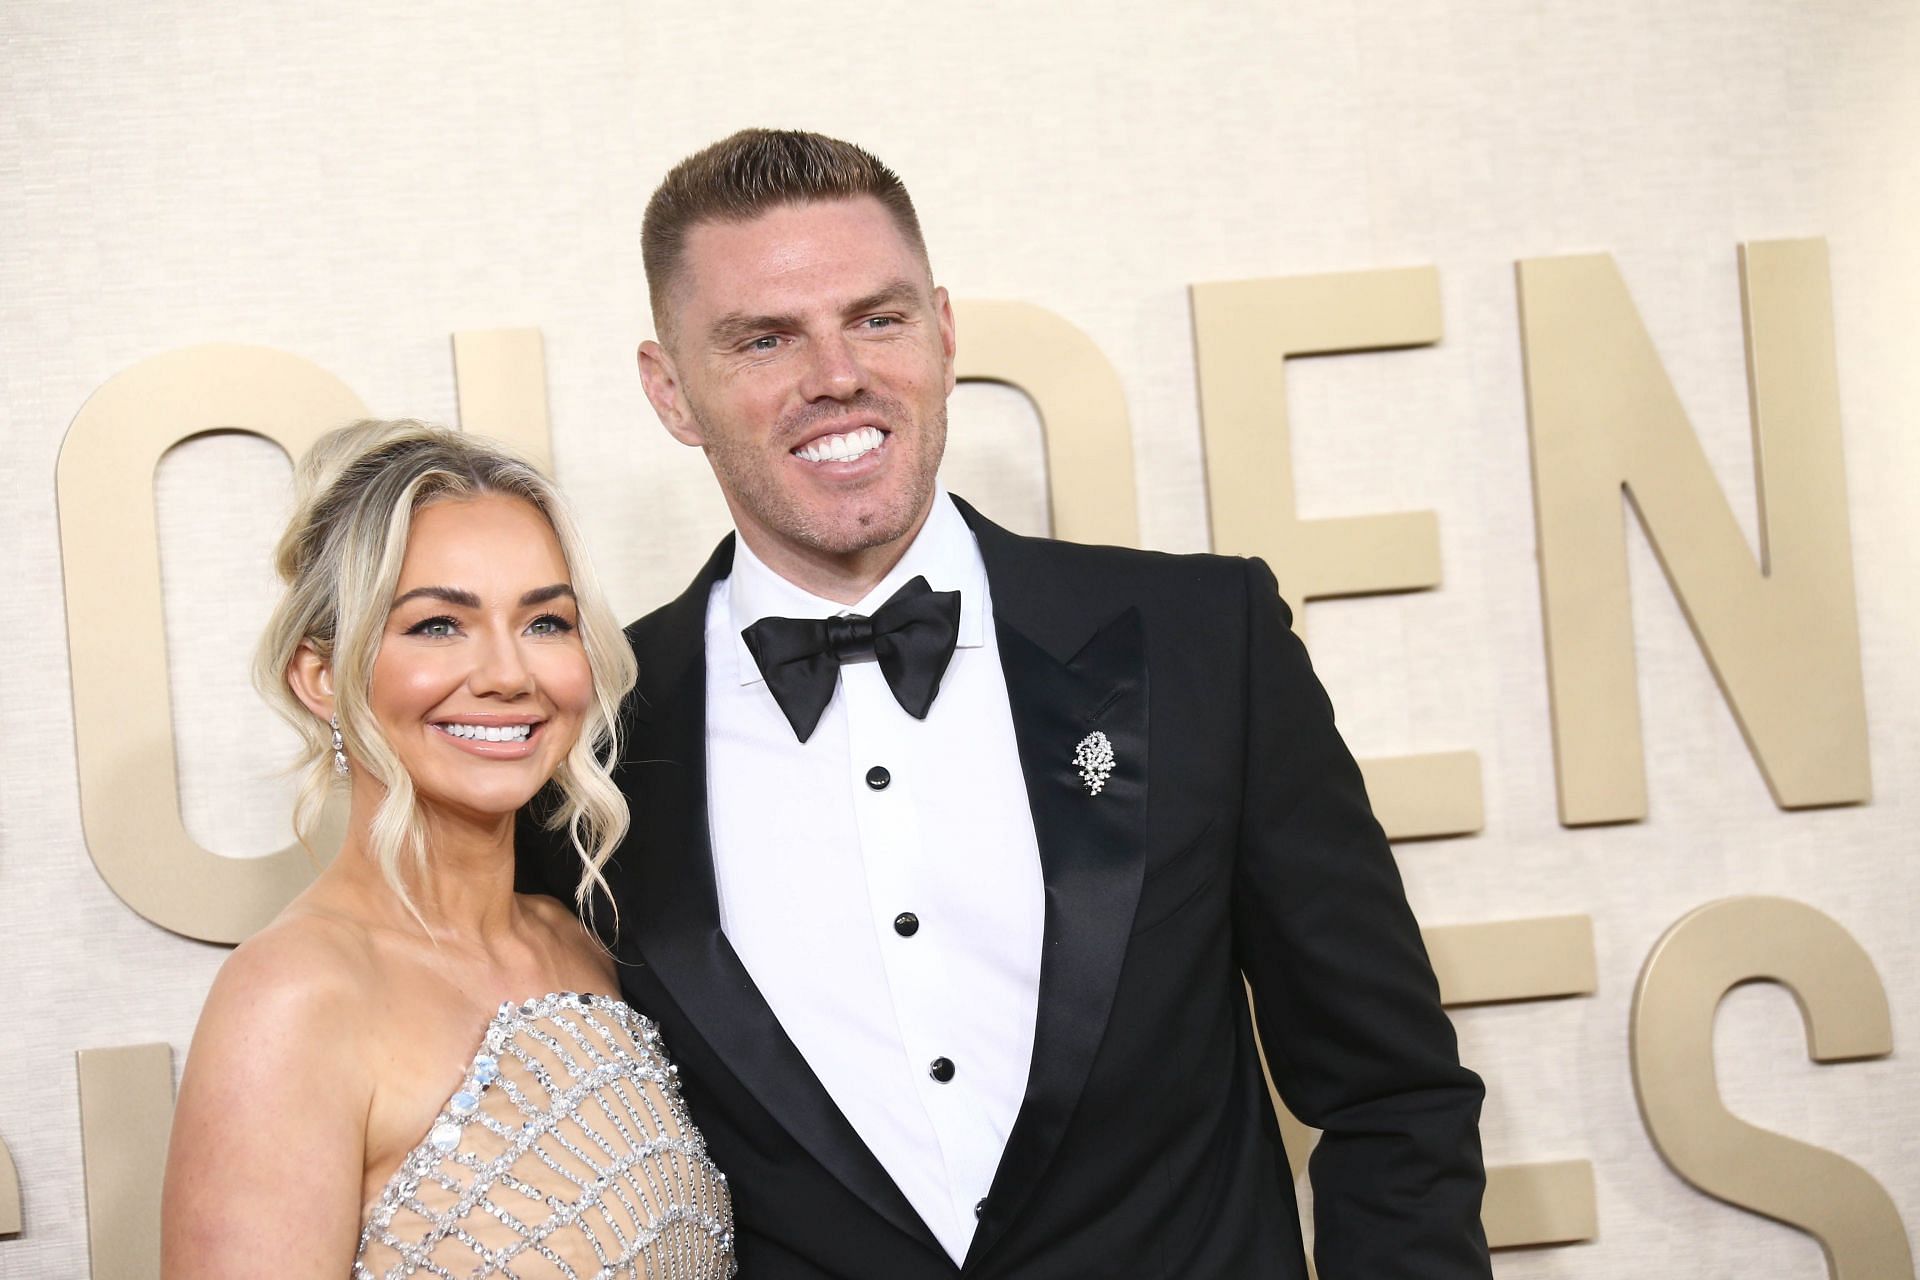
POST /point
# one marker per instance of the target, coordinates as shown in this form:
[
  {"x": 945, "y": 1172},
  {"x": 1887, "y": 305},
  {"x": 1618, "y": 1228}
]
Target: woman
[{"x": 396, "y": 1075}]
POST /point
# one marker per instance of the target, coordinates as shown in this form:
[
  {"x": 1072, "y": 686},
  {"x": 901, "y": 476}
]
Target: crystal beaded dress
[{"x": 566, "y": 1152}]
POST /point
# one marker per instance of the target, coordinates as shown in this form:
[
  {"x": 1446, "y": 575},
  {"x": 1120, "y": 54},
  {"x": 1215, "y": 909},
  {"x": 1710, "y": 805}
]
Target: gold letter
[
  {"x": 500, "y": 377},
  {"x": 123, "y": 718},
  {"x": 1529, "y": 1206},
  {"x": 9, "y": 1194},
  {"x": 1546, "y": 958},
  {"x": 1538, "y": 959},
  {"x": 1781, "y": 636},
  {"x": 126, "y": 1112},
  {"x": 122, "y": 707},
  {"x": 1526, "y": 1205},
  {"x": 1083, "y": 412},
  {"x": 1690, "y": 969},
  {"x": 1244, "y": 332}
]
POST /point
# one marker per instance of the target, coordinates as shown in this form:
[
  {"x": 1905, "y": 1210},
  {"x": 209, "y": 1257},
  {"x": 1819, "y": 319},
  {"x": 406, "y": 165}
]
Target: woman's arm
[{"x": 265, "y": 1165}]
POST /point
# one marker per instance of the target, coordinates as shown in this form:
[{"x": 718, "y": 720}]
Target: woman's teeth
[
  {"x": 489, "y": 733},
  {"x": 844, "y": 448}
]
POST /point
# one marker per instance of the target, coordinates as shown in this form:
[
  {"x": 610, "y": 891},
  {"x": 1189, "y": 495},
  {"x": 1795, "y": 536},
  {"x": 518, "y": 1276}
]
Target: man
[{"x": 944, "y": 902}]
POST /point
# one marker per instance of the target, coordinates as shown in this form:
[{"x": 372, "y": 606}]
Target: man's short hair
[{"x": 743, "y": 176}]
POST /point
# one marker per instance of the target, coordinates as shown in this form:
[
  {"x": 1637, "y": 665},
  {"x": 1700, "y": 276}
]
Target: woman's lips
[{"x": 488, "y": 748}]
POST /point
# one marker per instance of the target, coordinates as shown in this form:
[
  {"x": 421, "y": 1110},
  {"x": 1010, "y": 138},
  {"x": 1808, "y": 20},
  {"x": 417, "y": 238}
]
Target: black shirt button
[
  {"x": 906, "y": 924},
  {"x": 979, "y": 1206},
  {"x": 878, "y": 777},
  {"x": 941, "y": 1069}
]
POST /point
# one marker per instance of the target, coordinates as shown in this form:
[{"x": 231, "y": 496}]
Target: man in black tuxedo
[{"x": 951, "y": 847}]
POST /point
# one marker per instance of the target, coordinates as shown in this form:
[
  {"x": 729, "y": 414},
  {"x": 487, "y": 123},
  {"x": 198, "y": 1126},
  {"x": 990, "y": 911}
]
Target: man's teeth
[
  {"x": 854, "y": 444},
  {"x": 490, "y": 732}
]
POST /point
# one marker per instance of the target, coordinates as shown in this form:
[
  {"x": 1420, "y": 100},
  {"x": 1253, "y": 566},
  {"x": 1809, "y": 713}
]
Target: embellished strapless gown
[{"x": 566, "y": 1152}]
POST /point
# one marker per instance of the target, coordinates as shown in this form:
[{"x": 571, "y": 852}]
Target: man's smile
[{"x": 845, "y": 447}]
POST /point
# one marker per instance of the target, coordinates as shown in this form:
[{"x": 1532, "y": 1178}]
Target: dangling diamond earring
[{"x": 340, "y": 769}]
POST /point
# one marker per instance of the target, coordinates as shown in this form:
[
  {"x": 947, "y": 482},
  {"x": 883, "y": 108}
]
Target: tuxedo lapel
[
  {"x": 1069, "y": 675},
  {"x": 675, "y": 923}
]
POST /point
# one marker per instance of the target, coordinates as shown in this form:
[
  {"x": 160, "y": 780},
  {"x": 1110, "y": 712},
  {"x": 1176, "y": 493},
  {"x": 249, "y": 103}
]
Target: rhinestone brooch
[{"x": 1094, "y": 758}]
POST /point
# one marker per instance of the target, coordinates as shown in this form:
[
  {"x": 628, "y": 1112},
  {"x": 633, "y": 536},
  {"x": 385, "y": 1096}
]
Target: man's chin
[
  {"x": 854, "y": 541},
  {"x": 846, "y": 533}
]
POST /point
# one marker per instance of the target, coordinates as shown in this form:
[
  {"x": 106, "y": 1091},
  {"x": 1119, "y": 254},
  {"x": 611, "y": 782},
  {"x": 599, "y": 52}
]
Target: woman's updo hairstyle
[{"x": 356, "y": 492}]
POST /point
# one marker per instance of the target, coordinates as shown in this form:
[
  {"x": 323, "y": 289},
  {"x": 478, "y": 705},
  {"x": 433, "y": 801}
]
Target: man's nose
[{"x": 834, "y": 369}]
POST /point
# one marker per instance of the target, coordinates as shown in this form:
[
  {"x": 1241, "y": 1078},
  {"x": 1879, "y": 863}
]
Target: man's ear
[
  {"x": 664, "y": 391},
  {"x": 943, "y": 311},
  {"x": 310, "y": 677}
]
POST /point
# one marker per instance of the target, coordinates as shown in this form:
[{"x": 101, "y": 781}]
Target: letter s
[{"x": 1707, "y": 953}]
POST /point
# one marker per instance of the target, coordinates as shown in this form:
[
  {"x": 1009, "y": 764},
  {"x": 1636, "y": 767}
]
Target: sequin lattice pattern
[{"x": 566, "y": 1152}]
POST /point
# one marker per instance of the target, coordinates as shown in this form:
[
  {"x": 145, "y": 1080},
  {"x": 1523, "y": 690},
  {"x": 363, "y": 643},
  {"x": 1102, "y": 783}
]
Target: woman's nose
[{"x": 502, "y": 669}]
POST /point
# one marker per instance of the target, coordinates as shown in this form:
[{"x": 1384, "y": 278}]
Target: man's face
[{"x": 811, "y": 357}]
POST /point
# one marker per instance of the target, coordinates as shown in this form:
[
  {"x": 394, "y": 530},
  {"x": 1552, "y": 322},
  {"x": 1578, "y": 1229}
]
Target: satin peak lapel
[
  {"x": 1092, "y": 856},
  {"x": 676, "y": 926}
]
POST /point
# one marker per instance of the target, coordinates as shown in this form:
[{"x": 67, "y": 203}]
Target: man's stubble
[{"x": 747, "y": 477}]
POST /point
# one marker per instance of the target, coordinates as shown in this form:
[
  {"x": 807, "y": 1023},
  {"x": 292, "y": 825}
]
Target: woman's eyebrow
[
  {"x": 467, "y": 600},
  {"x": 540, "y": 595},
  {"x": 452, "y": 595}
]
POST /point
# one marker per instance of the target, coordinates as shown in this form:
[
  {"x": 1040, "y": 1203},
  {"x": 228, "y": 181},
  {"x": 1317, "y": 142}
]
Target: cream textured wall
[{"x": 353, "y": 182}]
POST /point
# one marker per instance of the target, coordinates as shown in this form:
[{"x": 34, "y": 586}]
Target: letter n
[{"x": 1781, "y": 635}]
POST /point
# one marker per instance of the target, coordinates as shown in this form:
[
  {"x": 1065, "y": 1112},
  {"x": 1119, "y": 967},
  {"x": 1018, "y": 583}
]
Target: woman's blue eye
[
  {"x": 550, "y": 624},
  {"x": 436, "y": 628}
]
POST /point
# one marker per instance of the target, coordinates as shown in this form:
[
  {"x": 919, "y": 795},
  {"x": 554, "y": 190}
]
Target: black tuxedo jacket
[{"x": 1233, "y": 838}]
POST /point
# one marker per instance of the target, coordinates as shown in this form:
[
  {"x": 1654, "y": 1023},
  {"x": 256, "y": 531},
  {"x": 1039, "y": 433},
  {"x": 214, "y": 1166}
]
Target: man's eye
[
  {"x": 765, "y": 343},
  {"x": 882, "y": 322},
  {"x": 549, "y": 624},
  {"x": 435, "y": 628}
]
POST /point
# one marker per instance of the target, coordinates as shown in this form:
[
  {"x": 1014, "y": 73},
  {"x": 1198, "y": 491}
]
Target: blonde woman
[{"x": 414, "y": 1069}]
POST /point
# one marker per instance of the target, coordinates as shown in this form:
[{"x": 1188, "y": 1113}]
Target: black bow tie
[{"x": 912, "y": 635}]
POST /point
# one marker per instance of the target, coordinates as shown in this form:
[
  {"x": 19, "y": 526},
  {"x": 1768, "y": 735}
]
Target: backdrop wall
[{"x": 353, "y": 185}]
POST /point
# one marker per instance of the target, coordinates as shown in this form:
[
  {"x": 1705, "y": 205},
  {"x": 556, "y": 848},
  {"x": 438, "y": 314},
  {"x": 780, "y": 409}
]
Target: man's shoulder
[
  {"x": 1133, "y": 562},
  {"x": 1094, "y": 569}
]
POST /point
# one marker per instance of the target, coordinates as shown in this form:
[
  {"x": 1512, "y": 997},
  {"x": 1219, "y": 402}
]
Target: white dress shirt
[{"x": 820, "y": 860}]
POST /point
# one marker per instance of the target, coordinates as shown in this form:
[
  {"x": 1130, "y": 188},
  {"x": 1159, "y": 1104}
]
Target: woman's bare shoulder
[
  {"x": 310, "y": 959},
  {"x": 271, "y": 1120},
  {"x": 572, "y": 937},
  {"x": 296, "y": 990}
]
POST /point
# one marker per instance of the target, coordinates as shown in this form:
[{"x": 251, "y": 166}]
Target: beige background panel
[
  {"x": 1845, "y": 1008},
  {"x": 353, "y": 183},
  {"x": 1781, "y": 635},
  {"x": 126, "y": 1111}
]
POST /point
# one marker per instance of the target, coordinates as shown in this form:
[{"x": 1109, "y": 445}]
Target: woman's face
[{"x": 481, "y": 683}]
